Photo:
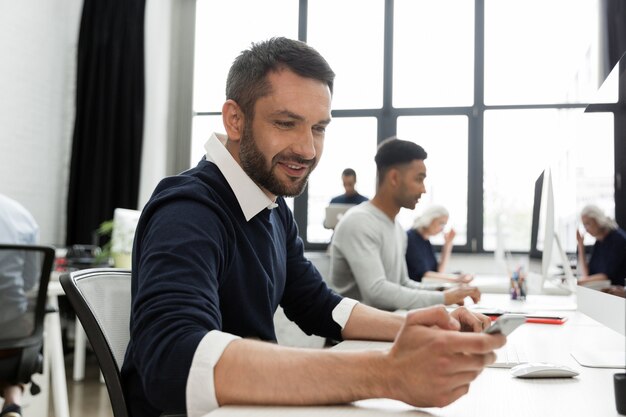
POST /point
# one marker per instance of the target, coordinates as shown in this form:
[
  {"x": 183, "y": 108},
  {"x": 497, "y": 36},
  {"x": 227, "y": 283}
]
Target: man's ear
[
  {"x": 393, "y": 176},
  {"x": 233, "y": 119}
]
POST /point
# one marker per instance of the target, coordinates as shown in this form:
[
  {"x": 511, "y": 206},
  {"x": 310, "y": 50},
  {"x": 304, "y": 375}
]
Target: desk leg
[
  {"x": 79, "y": 352},
  {"x": 58, "y": 384}
]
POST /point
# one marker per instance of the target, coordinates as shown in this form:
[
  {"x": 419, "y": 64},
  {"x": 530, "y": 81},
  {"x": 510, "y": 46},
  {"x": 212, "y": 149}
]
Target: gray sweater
[{"x": 368, "y": 262}]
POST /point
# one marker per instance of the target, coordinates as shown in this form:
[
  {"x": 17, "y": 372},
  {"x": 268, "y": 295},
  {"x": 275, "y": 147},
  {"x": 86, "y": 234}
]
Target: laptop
[{"x": 334, "y": 212}]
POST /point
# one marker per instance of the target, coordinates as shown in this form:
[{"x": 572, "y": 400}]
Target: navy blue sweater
[
  {"x": 609, "y": 257},
  {"x": 199, "y": 266},
  {"x": 420, "y": 256}
]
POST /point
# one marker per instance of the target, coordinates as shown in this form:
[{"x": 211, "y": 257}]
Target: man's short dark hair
[
  {"x": 393, "y": 152},
  {"x": 247, "y": 78},
  {"x": 348, "y": 172}
]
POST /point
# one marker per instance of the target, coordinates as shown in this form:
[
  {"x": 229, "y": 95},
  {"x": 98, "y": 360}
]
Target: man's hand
[
  {"x": 431, "y": 366},
  {"x": 457, "y": 295},
  {"x": 464, "y": 278},
  {"x": 471, "y": 322}
]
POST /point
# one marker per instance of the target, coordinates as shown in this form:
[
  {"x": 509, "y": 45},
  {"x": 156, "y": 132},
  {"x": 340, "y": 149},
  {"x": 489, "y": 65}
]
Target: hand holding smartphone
[{"x": 505, "y": 324}]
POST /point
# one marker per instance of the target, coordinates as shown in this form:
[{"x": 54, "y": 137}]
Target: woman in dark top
[
  {"x": 420, "y": 256},
  {"x": 608, "y": 256}
]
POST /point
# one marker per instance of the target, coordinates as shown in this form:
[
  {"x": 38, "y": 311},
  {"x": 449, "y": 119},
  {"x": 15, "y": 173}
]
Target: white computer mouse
[{"x": 542, "y": 370}]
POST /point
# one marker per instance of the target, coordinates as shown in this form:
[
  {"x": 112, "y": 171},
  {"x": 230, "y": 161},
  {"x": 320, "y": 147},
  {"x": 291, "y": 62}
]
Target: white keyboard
[{"x": 509, "y": 355}]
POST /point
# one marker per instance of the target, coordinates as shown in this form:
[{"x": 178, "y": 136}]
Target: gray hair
[
  {"x": 430, "y": 214},
  {"x": 594, "y": 212}
]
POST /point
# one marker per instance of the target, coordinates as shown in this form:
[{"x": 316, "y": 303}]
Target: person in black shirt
[
  {"x": 608, "y": 256},
  {"x": 351, "y": 196}
]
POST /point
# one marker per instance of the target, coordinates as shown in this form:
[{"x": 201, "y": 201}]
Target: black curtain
[{"x": 106, "y": 148}]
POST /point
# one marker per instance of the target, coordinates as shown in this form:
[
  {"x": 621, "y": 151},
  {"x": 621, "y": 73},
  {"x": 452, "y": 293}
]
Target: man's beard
[
  {"x": 406, "y": 200},
  {"x": 254, "y": 164}
]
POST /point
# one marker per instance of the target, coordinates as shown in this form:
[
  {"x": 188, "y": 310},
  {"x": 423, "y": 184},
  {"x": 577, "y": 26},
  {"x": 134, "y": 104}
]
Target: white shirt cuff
[
  {"x": 200, "y": 389},
  {"x": 343, "y": 310}
]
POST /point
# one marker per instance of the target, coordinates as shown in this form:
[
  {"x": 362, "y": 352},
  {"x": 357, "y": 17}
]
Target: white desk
[{"x": 495, "y": 393}]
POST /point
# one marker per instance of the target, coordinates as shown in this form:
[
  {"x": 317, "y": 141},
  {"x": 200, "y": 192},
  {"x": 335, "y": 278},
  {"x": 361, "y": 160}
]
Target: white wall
[{"x": 38, "y": 43}]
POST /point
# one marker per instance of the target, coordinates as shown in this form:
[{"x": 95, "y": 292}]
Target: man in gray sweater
[{"x": 369, "y": 246}]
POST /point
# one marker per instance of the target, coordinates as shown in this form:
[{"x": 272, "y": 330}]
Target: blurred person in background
[
  {"x": 421, "y": 259},
  {"x": 18, "y": 274},
  {"x": 351, "y": 196},
  {"x": 608, "y": 255}
]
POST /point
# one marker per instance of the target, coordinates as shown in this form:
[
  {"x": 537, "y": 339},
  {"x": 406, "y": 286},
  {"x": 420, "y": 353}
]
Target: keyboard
[{"x": 509, "y": 355}]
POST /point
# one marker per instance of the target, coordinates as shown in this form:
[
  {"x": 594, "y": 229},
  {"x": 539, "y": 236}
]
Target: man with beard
[
  {"x": 217, "y": 250},
  {"x": 369, "y": 246}
]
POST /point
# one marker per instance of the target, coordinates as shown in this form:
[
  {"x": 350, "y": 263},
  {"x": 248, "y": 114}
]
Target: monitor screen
[
  {"x": 543, "y": 222},
  {"x": 534, "y": 252}
]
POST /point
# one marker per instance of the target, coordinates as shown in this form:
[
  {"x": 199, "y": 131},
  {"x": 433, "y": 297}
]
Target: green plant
[{"x": 104, "y": 231}]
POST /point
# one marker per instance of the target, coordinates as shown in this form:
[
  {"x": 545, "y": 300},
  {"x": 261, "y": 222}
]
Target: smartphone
[{"x": 506, "y": 323}]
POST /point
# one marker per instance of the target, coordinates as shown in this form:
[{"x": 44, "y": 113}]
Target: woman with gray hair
[
  {"x": 608, "y": 256},
  {"x": 420, "y": 256}
]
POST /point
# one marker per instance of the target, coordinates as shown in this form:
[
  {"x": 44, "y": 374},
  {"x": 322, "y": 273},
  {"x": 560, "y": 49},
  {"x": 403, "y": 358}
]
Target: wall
[{"x": 38, "y": 42}]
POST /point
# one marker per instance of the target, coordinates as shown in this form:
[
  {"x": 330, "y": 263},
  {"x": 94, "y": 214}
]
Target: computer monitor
[
  {"x": 545, "y": 241},
  {"x": 534, "y": 252},
  {"x": 542, "y": 232},
  {"x": 334, "y": 212}
]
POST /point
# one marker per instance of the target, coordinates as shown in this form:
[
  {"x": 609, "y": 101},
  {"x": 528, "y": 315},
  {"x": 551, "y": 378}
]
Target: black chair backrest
[{"x": 24, "y": 275}]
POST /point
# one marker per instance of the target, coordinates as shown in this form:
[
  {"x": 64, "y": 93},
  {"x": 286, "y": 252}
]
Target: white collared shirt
[{"x": 200, "y": 389}]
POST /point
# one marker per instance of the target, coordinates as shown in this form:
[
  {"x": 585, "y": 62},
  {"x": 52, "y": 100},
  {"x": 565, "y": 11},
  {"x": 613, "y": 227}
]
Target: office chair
[
  {"x": 101, "y": 298},
  {"x": 24, "y": 276}
]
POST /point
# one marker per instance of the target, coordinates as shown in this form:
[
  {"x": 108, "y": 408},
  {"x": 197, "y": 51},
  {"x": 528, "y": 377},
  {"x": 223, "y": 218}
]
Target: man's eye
[
  {"x": 284, "y": 124},
  {"x": 320, "y": 129}
]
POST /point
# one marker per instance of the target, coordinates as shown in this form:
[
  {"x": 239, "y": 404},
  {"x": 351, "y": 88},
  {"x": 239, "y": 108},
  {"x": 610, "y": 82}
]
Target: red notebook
[{"x": 542, "y": 319}]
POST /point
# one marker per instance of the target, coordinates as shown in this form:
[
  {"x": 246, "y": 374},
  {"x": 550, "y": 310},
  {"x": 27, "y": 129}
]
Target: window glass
[
  {"x": 540, "y": 51},
  {"x": 444, "y": 138},
  {"x": 202, "y": 128},
  {"x": 433, "y": 59},
  {"x": 349, "y": 34},
  {"x": 518, "y": 146},
  {"x": 349, "y": 143},
  {"x": 223, "y": 30},
  {"x": 595, "y": 170}
]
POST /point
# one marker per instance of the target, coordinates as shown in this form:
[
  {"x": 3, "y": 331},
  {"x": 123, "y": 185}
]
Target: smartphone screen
[{"x": 506, "y": 323}]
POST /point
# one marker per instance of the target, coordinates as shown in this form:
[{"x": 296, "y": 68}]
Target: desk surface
[{"x": 495, "y": 392}]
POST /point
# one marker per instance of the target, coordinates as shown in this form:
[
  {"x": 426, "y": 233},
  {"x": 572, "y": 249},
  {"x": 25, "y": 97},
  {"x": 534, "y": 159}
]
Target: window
[
  {"x": 519, "y": 145},
  {"x": 350, "y": 143},
  {"x": 483, "y": 86},
  {"x": 444, "y": 138},
  {"x": 540, "y": 51},
  {"x": 335, "y": 27},
  {"x": 433, "y": 53},
  {"x": 203, "y": 127},
  {"x": 226, "y": 28}
]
